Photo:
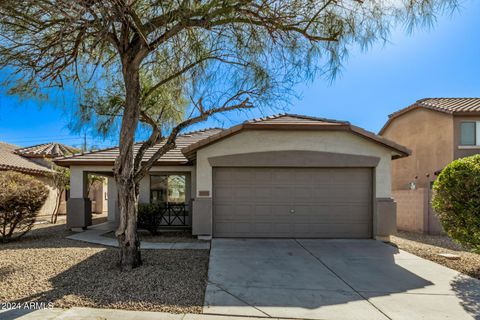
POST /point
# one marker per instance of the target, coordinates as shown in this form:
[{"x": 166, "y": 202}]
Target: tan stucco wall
[
  {"x": 98, "y": 195},
  {"x": 411, "y": 209},
  {"x": 429, "y": 134},
  {"x": 326, "y": 141}
]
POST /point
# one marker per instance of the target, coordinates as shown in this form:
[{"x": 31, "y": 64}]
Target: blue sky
[{"x": 441, "y": 62}]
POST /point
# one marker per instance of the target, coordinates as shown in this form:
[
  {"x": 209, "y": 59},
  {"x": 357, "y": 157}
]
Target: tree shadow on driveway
[
  {"x": 468, "y": 291},
  {"x": 321, "y": 279}
]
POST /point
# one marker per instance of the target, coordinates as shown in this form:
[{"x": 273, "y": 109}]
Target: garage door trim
[{"x": 294, "y": 158}]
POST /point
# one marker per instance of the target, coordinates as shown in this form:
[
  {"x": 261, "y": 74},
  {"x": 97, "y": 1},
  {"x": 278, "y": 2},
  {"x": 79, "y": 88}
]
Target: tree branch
[{"x": 170, "y": 141}]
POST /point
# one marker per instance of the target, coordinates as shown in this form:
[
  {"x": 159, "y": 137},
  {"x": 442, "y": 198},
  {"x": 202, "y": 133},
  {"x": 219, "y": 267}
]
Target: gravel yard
[
  {"x": 429, "y": 246},
  {"x": 46, "y": 267}
]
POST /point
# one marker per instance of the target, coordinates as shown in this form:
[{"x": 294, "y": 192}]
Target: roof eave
[
  {"x": 68, "y": 163},
  {"x": 419, "y": 105},
  {"x": 45, "y": 172},
  {"x": 401, "y": 151}
]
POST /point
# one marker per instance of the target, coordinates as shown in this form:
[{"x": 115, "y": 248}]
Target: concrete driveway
[{"x": 333, "y": 279}]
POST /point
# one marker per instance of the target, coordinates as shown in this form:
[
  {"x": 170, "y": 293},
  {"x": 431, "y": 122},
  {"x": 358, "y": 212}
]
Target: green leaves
[
  {"x": 21, "y": 196},
  {"x": 456, "y": 200}
]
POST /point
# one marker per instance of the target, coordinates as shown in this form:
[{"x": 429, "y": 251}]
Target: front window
[
  {"x": 468, "y": 133},
  {"x": 168, "y": 189}
]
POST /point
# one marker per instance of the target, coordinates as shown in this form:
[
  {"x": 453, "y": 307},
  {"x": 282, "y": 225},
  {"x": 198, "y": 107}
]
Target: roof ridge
[
  {"x": 9, "y": 144},
  {"x": 35, "y": 145},
  {"x": 317, "y": 118},
  {"x": 294, "y": 115},
  {"x": 201, "y": 130}
]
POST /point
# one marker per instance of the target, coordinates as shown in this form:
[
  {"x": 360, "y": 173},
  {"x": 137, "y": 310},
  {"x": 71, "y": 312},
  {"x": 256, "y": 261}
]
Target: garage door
[{"x": 292, "y": 202}]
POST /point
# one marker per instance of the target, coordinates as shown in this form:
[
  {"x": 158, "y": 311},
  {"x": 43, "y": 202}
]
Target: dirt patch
[
  {"x": 46, "y": 267},
  {"x": 429, "y": 246},
  {"x": 164, "y": 236}
]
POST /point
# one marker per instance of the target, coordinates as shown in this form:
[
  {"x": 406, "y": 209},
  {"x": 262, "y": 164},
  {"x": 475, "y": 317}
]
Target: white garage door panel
[{"x": 326, "y": 202}]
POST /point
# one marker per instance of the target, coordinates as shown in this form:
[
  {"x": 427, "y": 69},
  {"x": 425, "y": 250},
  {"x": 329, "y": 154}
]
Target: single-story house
[
  {"x": 36, "y": 161},
  {"x": 280, "y": 176}
]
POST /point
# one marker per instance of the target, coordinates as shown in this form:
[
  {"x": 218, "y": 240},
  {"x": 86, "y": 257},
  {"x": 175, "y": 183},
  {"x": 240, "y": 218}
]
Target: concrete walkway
[
  {"x": 95, "y": 235},
  {"x": 105, "y": 314},
  {"x": 333, "y": 279}
]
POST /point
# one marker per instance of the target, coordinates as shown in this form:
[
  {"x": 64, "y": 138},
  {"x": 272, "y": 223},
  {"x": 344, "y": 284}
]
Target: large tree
[{"x": 138, "y": 59}]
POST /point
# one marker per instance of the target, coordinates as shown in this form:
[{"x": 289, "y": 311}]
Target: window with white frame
[{"x": 470, "y": 133}]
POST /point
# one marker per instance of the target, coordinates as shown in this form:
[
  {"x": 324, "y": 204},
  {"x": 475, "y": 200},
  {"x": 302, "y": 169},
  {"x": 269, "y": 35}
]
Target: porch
[{"x": 165, "y": 190}]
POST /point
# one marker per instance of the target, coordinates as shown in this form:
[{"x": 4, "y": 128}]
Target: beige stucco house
[
  {"x": 279, "y": 176},
  {"x": 438, "y": 131}
]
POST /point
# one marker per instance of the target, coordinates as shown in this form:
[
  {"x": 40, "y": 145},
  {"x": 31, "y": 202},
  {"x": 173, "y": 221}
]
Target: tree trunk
[
  {"x": 124, "y": 172},
  {"x": 58, "y": 200}
]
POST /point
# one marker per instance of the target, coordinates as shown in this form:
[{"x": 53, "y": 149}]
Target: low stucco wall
[
  {"x": 411, "y": 209},
  {"x": 415, "y": 213}
]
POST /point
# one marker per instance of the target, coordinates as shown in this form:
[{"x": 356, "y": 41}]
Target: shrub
[
  {"x": 150, "y": 216},
  {"x": 456, "y": 200},
  {"x": 21, "y": 196}
]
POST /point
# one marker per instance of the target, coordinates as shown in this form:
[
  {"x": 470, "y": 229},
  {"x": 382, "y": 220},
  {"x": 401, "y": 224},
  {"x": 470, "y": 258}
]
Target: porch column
[
  {"x": 112, "y": 200},
  {"x": 385, "y": 222},
  {"x": 79, "y": 206}
]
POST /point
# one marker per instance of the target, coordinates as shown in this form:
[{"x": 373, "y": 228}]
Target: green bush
[
  {"x": 150, "y": 216},
  {"x": 456, "y": 199},
  {"x": 21, "y": 197}
]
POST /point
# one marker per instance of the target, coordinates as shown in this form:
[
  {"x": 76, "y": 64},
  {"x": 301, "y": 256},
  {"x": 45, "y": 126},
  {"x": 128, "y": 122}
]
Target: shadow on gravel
[
  {"x": 48, "y": 236},
  {"x": 169, "y": 280}
]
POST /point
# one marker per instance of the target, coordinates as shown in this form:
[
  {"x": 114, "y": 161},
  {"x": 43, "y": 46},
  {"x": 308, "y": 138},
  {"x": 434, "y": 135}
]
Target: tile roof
[
  {"x": 108, "y": 156},
  {"x": 9, "y": 160},
  {"x": 188, "y": 143},
  {"x": 451, "y": 105},
  {"x": 47, "y": 150},
  {"x": 454, "y": 106},
  {"x": 294, "y": 119}
]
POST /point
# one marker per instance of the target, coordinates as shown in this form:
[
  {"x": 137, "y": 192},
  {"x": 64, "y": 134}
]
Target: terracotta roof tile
[
  {"x": 108, "y": 156},
  {"x": 47, "y": 150},
  {"x": 9, "y": 160},
  {"x": 451, "y": 105},
  {"x": 294, "y": 119},
  {"x": 454, "y": 106}
]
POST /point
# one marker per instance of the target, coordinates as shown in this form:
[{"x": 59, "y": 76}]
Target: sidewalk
[
  {"x": 79, "y": 313},
  {"x": 94, "y": 235}
]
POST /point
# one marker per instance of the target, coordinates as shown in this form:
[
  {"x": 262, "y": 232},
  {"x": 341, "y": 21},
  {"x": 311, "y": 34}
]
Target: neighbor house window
[
  {"x": 168, "y": 188},
  {"x": 470, "y": 133}
]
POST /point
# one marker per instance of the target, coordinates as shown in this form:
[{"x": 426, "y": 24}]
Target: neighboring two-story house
[{"x": 438, "y": 131}]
